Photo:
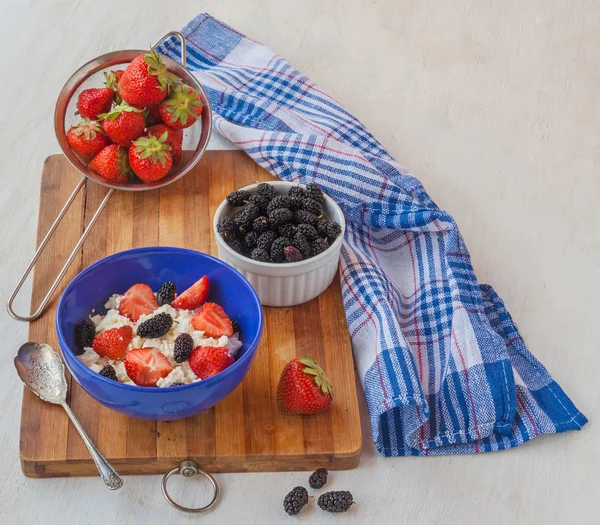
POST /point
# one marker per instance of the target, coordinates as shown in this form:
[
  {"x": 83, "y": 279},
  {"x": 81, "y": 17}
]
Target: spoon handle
[{"x": 111, "y": 479}]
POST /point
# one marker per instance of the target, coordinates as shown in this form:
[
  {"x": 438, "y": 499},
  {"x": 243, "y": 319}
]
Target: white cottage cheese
[{"x": 182, "y": 323}]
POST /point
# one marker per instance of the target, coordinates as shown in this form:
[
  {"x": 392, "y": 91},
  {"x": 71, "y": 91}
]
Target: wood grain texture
[{"x": 246, "y": 431}]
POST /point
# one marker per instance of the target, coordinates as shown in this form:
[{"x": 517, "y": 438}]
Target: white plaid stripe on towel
[{"x": 442, "y": 363}]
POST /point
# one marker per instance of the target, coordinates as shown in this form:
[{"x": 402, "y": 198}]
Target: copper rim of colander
[{"x": 110, "y": 61}]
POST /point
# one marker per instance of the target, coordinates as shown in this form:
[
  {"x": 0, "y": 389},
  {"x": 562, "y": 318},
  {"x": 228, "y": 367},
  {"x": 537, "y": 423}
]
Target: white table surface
[{"x": 496, "y": 109}]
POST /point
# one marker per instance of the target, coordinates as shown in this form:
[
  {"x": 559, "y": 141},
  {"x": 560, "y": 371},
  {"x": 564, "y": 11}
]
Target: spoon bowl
[{"x": 43, "y": 372}]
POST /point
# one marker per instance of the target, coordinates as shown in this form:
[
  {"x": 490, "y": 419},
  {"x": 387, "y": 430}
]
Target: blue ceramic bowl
[{"x": 153, "y": 266}]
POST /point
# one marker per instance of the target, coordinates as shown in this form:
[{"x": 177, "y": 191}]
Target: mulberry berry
[
  {"x": 335, "y": 501},
  {"x": 280, "y": 216},
  {"x": 261, "y": 224},
  {"x": 156, "y": 326},
  {"x": 312, "y": 206},
  {"x": 266, "y": 240},
  {"x": 184, "y": 344},
  {"x": 319, "y": 245},
  {"x": 277, "y": 248},
  {"x": 266, "y": 190},
  {"x": 318, "y": 478},
  {"x": 86, "y": 333},
  {"x": 308, "y": 230},
  {"x": 292, "y": 254},
  {"x": 109, "y": 372},
  {"x": 281, "y": 201},
  {"x": 314, "y": 192},
  {"x": 329, "y": 229},
  {"x": 238, "y": 198},
  {"x": 166, "y": 293},
  {"x": 250, "y": 239},
  {"x": 295, "y": 500},
  {"x": 258, "y": 254}
]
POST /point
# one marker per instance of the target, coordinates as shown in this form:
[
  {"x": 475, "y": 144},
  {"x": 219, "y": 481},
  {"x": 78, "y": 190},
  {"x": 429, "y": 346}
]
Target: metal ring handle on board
[{"x": 189, "y": 468}]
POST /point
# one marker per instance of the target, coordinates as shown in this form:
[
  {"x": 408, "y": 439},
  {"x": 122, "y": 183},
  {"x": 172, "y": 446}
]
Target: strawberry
[
  {"x": 111, "y": 163},
  {"x": 207, "y": 361},
  {"x": 194, "y": 296},
  {"x": 145, "y": 366},
  {"x": 86, "y": 139},
  {"x": 137, "y": 301},
  {"x": 213, "y": 321},
  {"x": 174, "y": 139},
  {"x": 152, "y": 114},
  {"x": 112, "y": 82},
  {"x": 94, "y": 101},
  {"x": 150, "y": 157},
  {"x": 123, "y": 124},
  {"x": 303, "y": 388},
  {"x": 113, "y": 343},
  {"x": 146, "y": 80},
  {"x": 182, "y": 108}
]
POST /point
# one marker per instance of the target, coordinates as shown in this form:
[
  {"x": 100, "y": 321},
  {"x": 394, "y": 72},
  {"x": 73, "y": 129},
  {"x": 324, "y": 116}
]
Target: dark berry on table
[
  {"x": 309, "y": 231},
  {"x": 258, "y": 254},
  {"x": 237, "y": 329},
  {"x": 85, "y": 335},
  {"x": 318, "y": 478},
  {"x": 280, "y": 216},
  {"x": 260, "y": 201},
  {"x": 319, "y": 245},
  {"x": 156, "y": 326},
  {"x": 281, "y": 201},
  {"x": 314, "y": 192},
  {"x": 250, "y": 240},
  {"x": 295, "y": 500},
  {"x": 184, "y": 344},
  {"x": 292, "y": 254},
  {"x": 287, "y": 230},
  {"x": 166, "y": 293},
  {"x": 312, "y": 206},
  {"x": 177, "y": 383},
  {"x": 266, "y": 190},
  {"x": 238, "y": 198},
  {"x": 296, "y": 191},
  {"x": 236, "y": 245},
  {"x": 261, "y": 224},
  {"x": 109, "y": 372},
  {"x": 305, "y": 217},
  {"x": 266, "y": 240},
  {"x": 301, "y": 242},
  {"x": 277, "y": 248},
  {"x": 226, "y": 224},
  {"x": 336, "y": 501},
  {"x": 329, "y": 229}
]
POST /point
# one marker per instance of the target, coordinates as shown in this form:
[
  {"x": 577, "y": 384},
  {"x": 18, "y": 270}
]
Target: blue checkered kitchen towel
[{"x": 443, "y": 365}]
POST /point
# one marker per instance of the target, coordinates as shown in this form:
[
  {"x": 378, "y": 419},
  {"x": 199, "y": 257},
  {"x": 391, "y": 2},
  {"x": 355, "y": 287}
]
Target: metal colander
[{"x": 91, "y": 75}]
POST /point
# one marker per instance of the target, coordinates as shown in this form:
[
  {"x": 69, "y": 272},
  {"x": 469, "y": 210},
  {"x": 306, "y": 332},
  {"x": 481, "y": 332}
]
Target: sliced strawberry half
[
  {"x": 113, "y": 343},
  {"x": 194, "y": 296},
  {"x": 207, "y": 361},
  {"x": 213, "y": 321},
  {"x": 137, "y": 301},
  {"x": 145, "y": 366}
]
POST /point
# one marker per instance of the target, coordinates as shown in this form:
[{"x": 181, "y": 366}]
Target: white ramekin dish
[{"x": 284, "y": 284}]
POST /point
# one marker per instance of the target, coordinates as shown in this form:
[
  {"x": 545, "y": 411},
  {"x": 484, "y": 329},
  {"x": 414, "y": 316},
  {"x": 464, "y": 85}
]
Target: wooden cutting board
[{"x": 245, "y": 432}]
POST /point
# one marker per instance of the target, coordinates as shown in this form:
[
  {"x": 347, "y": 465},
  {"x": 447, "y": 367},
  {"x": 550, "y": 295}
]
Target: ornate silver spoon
[{"x": 42, "y": 371}]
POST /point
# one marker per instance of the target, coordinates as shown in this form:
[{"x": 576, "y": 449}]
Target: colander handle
[
  {"x": 181, "y": 39},
  {"x": 44, "y": 303}
]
